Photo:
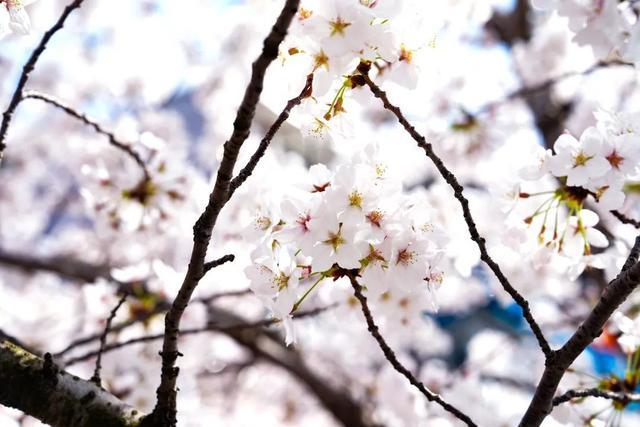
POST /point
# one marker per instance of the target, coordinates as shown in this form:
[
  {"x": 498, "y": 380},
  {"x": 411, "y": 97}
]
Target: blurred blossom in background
[{"x": 492, "y": 84}]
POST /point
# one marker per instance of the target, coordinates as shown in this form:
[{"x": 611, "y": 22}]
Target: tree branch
[
  {"x": 164, "y": 413},
  {"x": 160, "y": 307},
  {"x": 393, "y": 360},
  {"x": 28, "y": 68},
  {"x": 265, "y": 345},
  {"x": 246, "y": 171},
  {"x": 62, "y": 265},
  {"x": 38, "y": 388},
  {"x": 215, "y": 263},
  {"x": 545, "y": 86},
  {"x": 451, "y": 179},
  {"x": 626, "y": 220},
  {"x": 210, "y": 327},
  {"x": 594, "y": 392},
  {"x": 103, "y": 341},
  {"x": 614, "y": 294},
  {"x": 124, "y": 147}
]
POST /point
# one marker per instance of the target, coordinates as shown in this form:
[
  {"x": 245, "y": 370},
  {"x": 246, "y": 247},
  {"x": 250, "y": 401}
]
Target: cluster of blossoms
[
  {"x": 330, "y": 38},
  {"x": 610, "y": 27},
  {"x": 13, "y": 17},
  {"x": 592, "y": 169},
  {"x": 126, "y": 197},
  {"x": 602, "y": 160},
  {"x": 354, "y": 222}
]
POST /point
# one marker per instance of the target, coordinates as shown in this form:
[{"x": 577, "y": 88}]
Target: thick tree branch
[
  {"x": 614, "y": 294},
  {"x": 451, "y": 179},
  {"x": 8, "y": 337},
  {"x": 164, "y": 413},
  {"x": 38, "y": 388},
  {"x": 267, "y": 346},
  {"x": 393, "y": 360},
  {"x": 28, "y": 68},
  {"x": 124, "y": 147}
]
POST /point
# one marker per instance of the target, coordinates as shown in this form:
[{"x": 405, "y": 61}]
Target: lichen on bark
[{"x": 38, "y": 388}]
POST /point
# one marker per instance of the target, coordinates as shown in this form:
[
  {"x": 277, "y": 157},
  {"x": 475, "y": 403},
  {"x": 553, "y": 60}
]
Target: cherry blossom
[{"x": 14, "y": 18}]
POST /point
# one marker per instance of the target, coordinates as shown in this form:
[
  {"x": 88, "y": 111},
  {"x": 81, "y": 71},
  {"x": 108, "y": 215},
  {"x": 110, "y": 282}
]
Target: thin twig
[
  {"x": 210, "y": 327},
  {"x": 28, "y": 68},
  {"x": 160, "y": 307},
  {"x": 625, "y": 219},
  {"x": 451, "y": 179},
  {"x": 594, "y": 392},
  {"x": 264, "y": 144},
  {"x": 116, "y": 328},
  {"x": 82, "y": 117},
  {"x": 393, "y": 360},
  {"x": 215, "y": 263},
  {"x": 103, "y": 341}
]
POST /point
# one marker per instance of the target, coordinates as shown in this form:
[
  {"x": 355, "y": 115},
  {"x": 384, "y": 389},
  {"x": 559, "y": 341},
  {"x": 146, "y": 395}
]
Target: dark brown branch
[
  {"x": 215, "y": 263},
  {"x": 225, "y": 294},
  {"x": 70, "y": 268},
  {"x": 124, "y": 147},
  {"x": 451, "y": 179},
  {"x": 626, "y": 220},
  {"x": 393, "y": 360},
  {"x": 164, "y": 413},
  {"x": 246, "y": 172},
  {"x": 210, "y": 327},
  {"x": 116, "y": 328},
  {"x": 594, "y": 392},
  {"x": 28, "y": 68},
  {"x": 528, "y": 91},
  {"x": 103, "y": 341},
  {"x": 62, "y": 265},
  {"x": 634, "y": 255},
  {"x": 160, "y": 307},
  {"x": 75, "y": 269},
  {"x": 270, "y": 347},
  {"x": 38, "y": 388},
  {"x": 614, "y": 294}
]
